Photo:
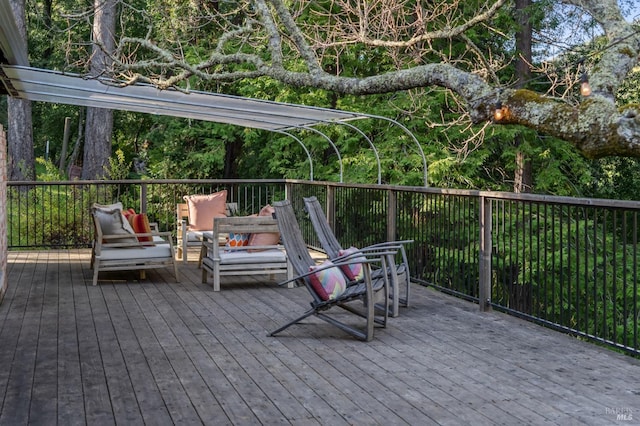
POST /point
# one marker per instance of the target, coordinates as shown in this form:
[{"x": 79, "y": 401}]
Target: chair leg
[
  {"x": 395, "y": 288},
  {"x": 290, "y": 323},
  {"x": 96, "y": 268},
  {"x": 407, "y": 281},
  {"x": 203, "y": 253},
  {"x": 216, "y": 280},
  {"x": 175, "y": 270}
]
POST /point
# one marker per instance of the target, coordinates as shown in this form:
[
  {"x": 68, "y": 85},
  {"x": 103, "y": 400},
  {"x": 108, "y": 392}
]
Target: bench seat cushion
[
  {"x": 196, "y": 236},
  {"x": 243, "y": 257},
  {"x": 148, "y": 252}
]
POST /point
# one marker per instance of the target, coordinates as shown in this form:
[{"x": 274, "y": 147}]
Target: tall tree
[
  {"x": 20, "y": 133},
  {"x": 523, "y": 179},
  {"x": 99, "y": 121}
]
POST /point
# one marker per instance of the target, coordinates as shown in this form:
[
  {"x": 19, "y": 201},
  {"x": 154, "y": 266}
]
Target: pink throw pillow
[
  {"x": 204, "y": 208},
  {"x": 265, "y": 238},
  {"x": 353, "y": 271}
]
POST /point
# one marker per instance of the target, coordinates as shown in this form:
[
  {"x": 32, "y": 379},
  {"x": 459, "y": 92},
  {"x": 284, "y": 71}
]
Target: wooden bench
[
  {"x": 221, "y": 260},
  {"x": 123, "y": 252}
]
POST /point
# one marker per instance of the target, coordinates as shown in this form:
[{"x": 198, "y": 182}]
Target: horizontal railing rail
[{"x": 567, "y": 263}]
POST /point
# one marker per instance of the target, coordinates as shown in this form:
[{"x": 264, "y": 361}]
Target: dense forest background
[{"x": 459, "y": 154}]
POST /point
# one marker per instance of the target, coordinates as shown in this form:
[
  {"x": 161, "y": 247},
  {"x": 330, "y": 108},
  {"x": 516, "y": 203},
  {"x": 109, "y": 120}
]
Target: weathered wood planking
[{"x": 157, "y": 352}]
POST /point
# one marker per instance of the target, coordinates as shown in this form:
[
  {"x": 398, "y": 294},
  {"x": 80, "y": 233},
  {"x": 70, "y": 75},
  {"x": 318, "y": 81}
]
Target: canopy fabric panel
[{"x": 51, "y": 86}]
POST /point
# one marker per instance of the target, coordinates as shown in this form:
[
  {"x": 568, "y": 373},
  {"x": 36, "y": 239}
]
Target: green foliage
[
  {"x": 179, "y": 148},
  {"x": 118, "y": 167},
  {"x": 47, "y": 171},
  {"x": 4, "y": 118},
  {"x": 49, "y": 216},
  {"x": 567, "y": 265},
  {"x": 614, "y": 178}
]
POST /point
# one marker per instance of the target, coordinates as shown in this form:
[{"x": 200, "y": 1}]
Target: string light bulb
[
  {"x": 585, "y": 87},
  {"x": 498, "y": 114}
]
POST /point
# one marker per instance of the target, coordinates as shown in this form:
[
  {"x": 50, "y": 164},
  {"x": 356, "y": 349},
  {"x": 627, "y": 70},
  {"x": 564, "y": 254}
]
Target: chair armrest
[{"x": 398, "y": 244}]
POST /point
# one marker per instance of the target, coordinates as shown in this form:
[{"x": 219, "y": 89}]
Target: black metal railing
[
  {"x": 568, "y": 263},
  {"x": 56, "y": 214}
]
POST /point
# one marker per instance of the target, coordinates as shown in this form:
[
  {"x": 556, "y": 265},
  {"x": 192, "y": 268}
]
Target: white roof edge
[{"x": 52, "y": 86}]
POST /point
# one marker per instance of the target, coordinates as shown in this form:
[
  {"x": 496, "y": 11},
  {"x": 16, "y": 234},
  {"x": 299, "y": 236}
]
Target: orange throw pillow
[
  {"x": 140, "y": 224},
  {"x": 127, "y": 213}
]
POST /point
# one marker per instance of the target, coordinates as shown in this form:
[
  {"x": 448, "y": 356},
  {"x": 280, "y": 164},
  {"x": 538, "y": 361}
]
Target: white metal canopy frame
[
  {"x": 20, "y": 80},
  {"x": 56, "y": 87}
]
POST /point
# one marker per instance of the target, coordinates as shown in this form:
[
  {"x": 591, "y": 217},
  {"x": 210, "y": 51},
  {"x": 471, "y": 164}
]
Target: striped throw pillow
[{"x": 328, "y": 283}]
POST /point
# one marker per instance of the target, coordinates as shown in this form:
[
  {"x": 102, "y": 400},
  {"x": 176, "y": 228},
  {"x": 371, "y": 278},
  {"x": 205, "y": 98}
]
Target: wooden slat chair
[
  {"x": 247, "y": 260},
  {"x": 123, "y": 251},
  {"x": 186, "y": 237},
  {"x": 365, "y": 290},
  {"x": 398, "y": 272}
]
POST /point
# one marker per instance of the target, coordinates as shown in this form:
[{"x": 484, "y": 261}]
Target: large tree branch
[
  {"x": 594, "y": 125},
  {"x": 621, "y": 53}
]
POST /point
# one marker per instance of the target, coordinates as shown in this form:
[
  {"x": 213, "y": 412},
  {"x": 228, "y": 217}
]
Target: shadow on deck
[{"x": 156, "y": 352}]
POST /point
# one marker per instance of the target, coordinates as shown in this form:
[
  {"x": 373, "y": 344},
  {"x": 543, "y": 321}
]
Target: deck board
[{"x": 153, "y": 351}]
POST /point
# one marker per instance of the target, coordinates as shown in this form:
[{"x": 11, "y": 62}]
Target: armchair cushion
[
  {"x": 204, "y": 208},
  {"x": 159, "y": 251},
  {"x": 353, "y": 271},
  {"x": 328, "y": 283}
]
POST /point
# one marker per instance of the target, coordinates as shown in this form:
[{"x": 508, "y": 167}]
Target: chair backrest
[
  {"x": 322, "y": 228},
  {"x": 182, "y": 212},
  {"x": 292, "y": 239}
]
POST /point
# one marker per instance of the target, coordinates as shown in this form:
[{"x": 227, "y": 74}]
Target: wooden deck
[{"x": 156, "y": 352}]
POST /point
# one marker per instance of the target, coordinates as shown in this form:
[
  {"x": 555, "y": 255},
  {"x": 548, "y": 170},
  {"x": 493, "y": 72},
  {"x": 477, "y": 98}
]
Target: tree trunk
[
  {"x": 22, "y": 164},
  {"x": 48, "y": 23},
  {"x": 523, "y": 179},
  {"x": 233, "y": 151},
  {"x": 20, "y": 140},
  {"x": 523, "y": 176},
  {"x": 99, "y": 122},
  {"x": 72, "y": 165},
  {"x": 97, "y": 143}
]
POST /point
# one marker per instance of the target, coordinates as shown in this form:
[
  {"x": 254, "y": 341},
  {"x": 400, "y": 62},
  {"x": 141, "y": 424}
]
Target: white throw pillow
[{"x": 112, "y": 221}]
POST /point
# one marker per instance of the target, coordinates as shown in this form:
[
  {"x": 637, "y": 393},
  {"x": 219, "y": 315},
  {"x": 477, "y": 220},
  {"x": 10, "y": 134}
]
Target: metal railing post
[
  {"x": 143, "y": 198},
  {"x": 331, "y": 206},
  {"x": 484, "y": 290},
  {"x": 392, "y": 211}
]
